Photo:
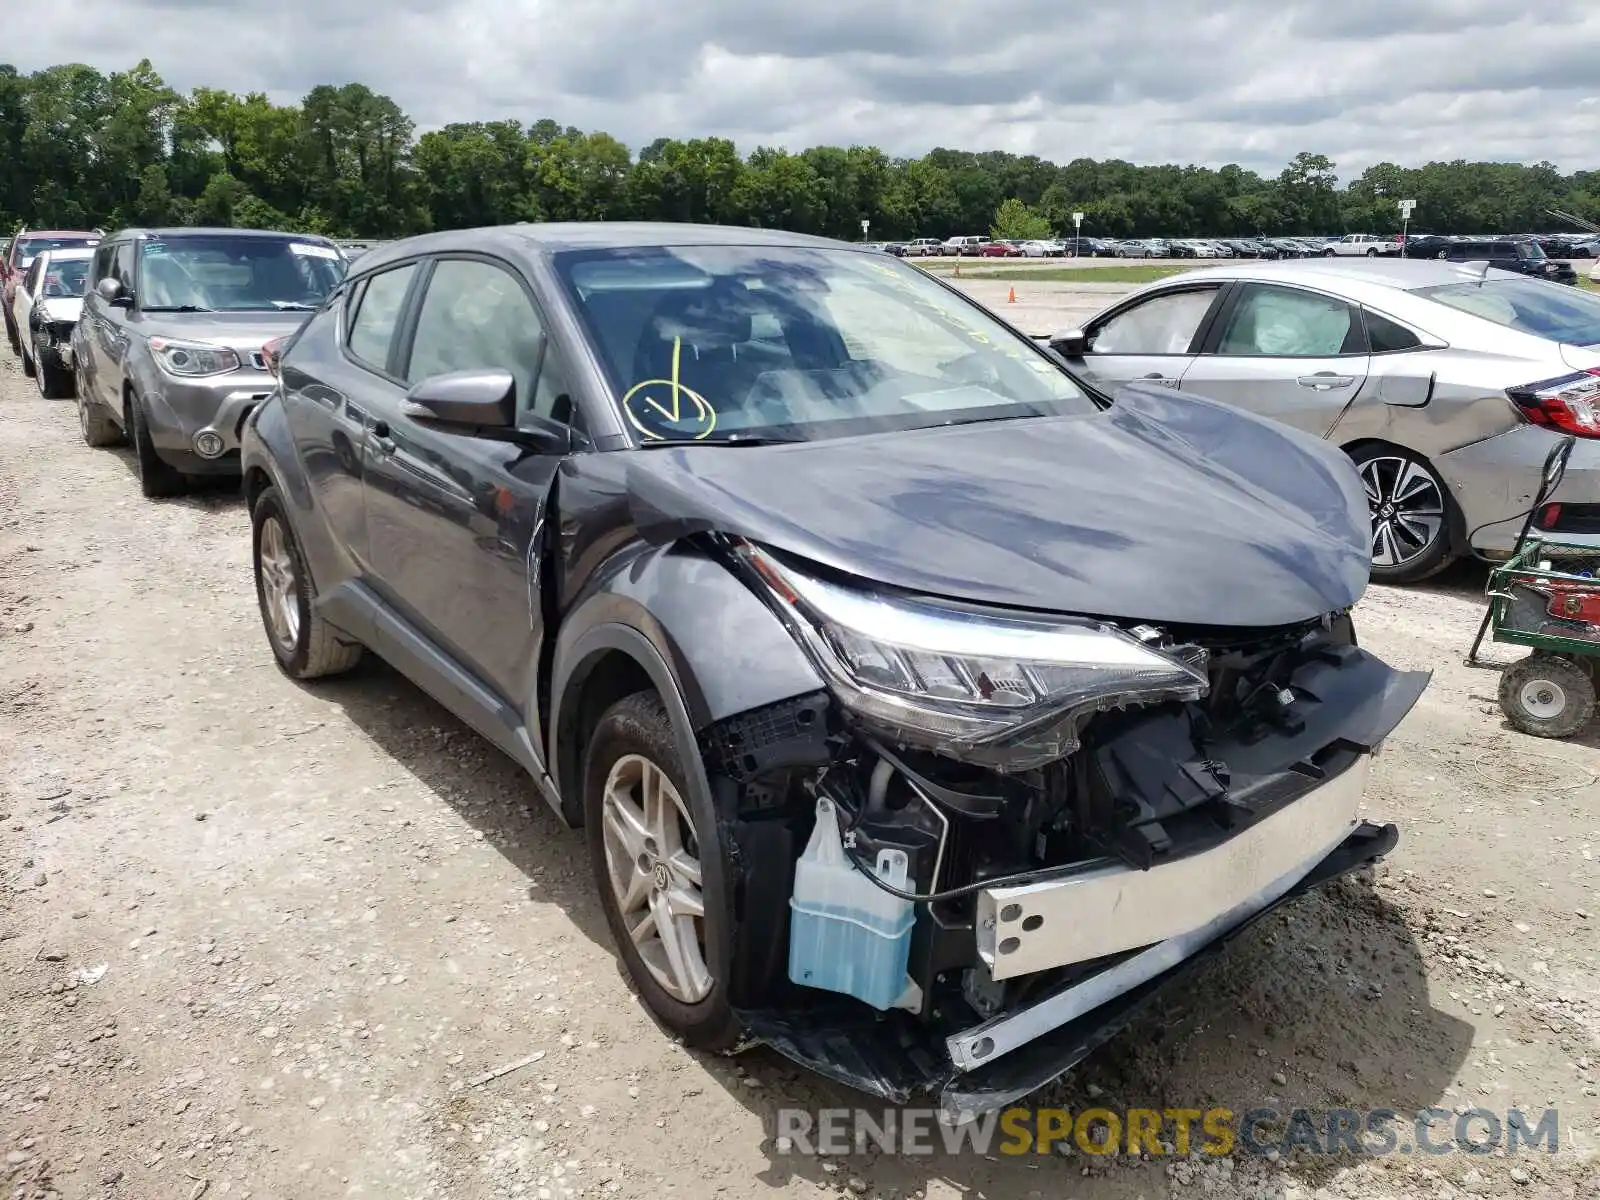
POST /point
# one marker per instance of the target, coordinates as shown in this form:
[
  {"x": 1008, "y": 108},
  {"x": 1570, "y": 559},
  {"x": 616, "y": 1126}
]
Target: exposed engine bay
[{"x": 1048, "y": 896}]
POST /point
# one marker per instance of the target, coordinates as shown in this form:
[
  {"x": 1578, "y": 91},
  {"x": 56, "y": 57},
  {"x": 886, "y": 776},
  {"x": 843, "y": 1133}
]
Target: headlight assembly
[
  {"x": 192, "y": 359},
  {"x": 984, "y": 686}
]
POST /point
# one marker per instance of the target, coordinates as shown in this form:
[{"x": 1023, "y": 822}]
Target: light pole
[
  {"x": 1077, "y": 235},
  {"x": 865, "y": 225},
  {"x": 1405, "y": 220}
]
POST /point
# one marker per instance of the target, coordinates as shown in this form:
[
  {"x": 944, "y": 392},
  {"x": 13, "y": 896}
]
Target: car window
[
  {"x": 800, "y": 342},
  {"x": 1385, "y": 337},
  {"x": 1287, "y": 323},
  {"x": 122, "y": 264},
  {"x": 1549, "y": 310},
  {"x": 476, "y": 315},
  {"x": 1163, "y": 324},
  {"x": 377, "y": 312},
  {"x": 102, "y": 262},
  {"x": 30, "y": 281}
]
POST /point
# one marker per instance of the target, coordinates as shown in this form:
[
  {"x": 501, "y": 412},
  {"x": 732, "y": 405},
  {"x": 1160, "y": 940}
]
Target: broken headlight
[{"x": 957, "y": 680}]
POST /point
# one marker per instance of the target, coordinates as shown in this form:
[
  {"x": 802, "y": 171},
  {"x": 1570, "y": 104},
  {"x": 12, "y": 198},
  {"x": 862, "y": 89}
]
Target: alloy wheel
[
  {"x": 280, "y": 585},
  {"x": 653, "y": 864},
  {"x": 1407, "y": 509}
]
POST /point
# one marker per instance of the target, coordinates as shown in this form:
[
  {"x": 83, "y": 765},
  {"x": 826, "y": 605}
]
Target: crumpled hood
[
  {"x": 62, "y": 308},
  {"x": 1166, "y": 507}
]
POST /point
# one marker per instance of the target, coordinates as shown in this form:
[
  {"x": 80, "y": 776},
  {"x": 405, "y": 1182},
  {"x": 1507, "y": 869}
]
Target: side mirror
[
  {"x": 1070, "y": 343},
  {"x": 112, "y": 292},
  {"x": 483, "y": 404}
]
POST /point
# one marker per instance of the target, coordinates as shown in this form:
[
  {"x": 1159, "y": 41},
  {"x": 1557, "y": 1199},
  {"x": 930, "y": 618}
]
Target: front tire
[
  {"x": 656, "y": 855},
  {"x": 1547, "y": 696},
  {"x": 304, "y": 645},
  {"x": 157, "y": 477}
]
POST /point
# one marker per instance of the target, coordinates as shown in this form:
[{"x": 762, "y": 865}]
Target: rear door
[
  {"x": 1293, "y": 354},
  {"x": 340, "y": 374},
  {"x": 1153, "y": 339}
]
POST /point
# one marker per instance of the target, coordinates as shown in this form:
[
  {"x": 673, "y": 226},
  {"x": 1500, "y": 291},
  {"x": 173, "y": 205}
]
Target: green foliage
[
  {"x": 1015, "y": 220},
  {"x": 82, "y": 148}
]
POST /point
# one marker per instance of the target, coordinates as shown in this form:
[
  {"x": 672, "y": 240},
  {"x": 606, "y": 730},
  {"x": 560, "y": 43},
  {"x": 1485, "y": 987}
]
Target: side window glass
[
  {"x": 122, "y": 264},
  {"x": 30, "y": 282},
  {"x": 476, "y": 316},
  {"x": 377, "y": 313},
  {"x": 1161, "y": 325},
  {"x": 102, "y": 264},
  {"x": 1385, "y": 337},
  {"x": 1281, "y": 322}
]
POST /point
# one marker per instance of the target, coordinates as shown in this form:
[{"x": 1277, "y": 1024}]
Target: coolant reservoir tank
[{"x": 846, "y": 934}]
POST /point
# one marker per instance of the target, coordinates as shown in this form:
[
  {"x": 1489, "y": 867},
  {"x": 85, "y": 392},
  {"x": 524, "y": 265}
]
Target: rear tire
[
  {"x": 1411, "y": 513},
  {"x": 303, "y": 643},
  {"x": 157, "y": 477},
  {"x": 634, "y": 738},
  {"x": 54, "y": 383},
  {"x": 1547, "y": 696}
]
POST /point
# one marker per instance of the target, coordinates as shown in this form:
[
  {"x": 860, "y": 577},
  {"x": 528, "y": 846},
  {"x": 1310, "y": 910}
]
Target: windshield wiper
[
  {"x": 729, "y": 439},
  {"x": 150, "y": 308}
]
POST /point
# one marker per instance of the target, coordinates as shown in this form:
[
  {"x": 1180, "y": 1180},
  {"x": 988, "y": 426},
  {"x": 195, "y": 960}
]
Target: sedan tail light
[{"x": 1569, "y": 403}]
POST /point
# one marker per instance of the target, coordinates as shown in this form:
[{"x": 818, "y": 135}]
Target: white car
[
  {"x": 1355, "y": 245},
  {"x": 922, "y": 247},
  {"x": 1042, "y": 248},
  {"x": 1594, "y": 271},
  {"x": 45, "y": 307}
]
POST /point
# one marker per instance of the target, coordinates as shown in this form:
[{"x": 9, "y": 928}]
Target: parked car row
[
  {"x": 1446, "y": 383},
  {"x": 925, "y": 798}
]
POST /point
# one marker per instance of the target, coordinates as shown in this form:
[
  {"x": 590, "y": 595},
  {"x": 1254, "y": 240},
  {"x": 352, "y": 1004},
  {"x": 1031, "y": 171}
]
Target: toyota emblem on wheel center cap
[{"x": 660, "y": 876}]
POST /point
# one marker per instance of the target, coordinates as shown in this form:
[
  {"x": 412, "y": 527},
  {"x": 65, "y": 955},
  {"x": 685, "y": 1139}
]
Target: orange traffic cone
[{"x": 1011, "y": 296}]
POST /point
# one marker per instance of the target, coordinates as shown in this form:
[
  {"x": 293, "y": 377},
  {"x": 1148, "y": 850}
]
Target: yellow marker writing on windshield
[{"x": 704, "y": 414}]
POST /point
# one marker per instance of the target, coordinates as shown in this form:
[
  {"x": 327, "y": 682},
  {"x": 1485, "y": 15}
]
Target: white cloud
[{"x": 1147, "y": 80}]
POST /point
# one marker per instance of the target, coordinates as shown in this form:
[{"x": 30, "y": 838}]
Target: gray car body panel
[
  {"x": 1437, "y": 401},
  {"x": 112, "y": 346}
]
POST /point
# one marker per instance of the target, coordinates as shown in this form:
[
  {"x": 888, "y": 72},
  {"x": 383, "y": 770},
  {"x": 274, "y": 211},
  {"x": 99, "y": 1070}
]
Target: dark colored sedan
[{"x": 842, "y": 616}]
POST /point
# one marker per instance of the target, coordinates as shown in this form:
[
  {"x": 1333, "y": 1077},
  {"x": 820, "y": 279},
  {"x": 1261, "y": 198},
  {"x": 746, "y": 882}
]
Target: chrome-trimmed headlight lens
[
  {"x": 191, "y": 360},
  {"x": 993, "y": 687}
]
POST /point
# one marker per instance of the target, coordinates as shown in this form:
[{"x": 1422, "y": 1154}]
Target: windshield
[
  {"x": 1530, "y": 250},
  {"x": 235, "y": 274},
  {"x": 793, "y": 342},
  {"x": 64, "y": 279},
  {"x": 29, "y": 248},
  {"x": 1549, "y": 310}
]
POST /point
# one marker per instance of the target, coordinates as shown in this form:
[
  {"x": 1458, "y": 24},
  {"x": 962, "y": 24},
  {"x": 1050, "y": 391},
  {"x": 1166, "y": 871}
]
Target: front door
[
  {"x": 1287, "y": 353},
  {"x": 453, "y": 521},
  {"x": 1152, "y": 341}
]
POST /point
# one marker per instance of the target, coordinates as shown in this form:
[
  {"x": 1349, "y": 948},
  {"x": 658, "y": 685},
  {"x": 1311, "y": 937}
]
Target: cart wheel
[{"x": 1547, "y": 696}]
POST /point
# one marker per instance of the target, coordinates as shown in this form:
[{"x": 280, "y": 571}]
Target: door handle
[{"x": 1324, "y": 381}]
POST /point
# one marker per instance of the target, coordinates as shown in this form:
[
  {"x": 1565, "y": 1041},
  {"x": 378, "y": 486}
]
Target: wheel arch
[{"x": 608, "y": 662}]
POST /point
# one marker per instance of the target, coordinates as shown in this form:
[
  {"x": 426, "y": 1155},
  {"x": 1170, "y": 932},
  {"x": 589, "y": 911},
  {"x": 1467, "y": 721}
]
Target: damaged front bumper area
[{"x": 929, "y": 902}]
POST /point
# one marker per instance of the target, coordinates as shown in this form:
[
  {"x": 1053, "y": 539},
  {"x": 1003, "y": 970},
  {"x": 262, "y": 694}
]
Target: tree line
[{"x": 81, "y": 149}]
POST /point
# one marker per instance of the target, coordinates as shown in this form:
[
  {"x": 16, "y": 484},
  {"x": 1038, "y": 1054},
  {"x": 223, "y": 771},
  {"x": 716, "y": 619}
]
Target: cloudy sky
[{"x": 1147, "y": 80}]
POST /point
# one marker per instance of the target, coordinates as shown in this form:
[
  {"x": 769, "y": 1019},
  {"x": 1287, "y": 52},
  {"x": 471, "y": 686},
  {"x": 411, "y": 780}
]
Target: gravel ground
[{"x": 258, "y": 939}]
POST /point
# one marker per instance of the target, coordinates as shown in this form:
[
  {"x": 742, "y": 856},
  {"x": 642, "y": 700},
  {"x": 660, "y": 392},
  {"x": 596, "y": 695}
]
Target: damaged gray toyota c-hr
[{"x": 927, "y": 709}]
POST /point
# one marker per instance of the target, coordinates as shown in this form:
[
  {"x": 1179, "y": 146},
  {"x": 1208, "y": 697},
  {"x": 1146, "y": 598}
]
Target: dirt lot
[{"x": 259, "y": 939}]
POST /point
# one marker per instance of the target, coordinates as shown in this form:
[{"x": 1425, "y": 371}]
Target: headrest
[{"x": 717, "y": 316}]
